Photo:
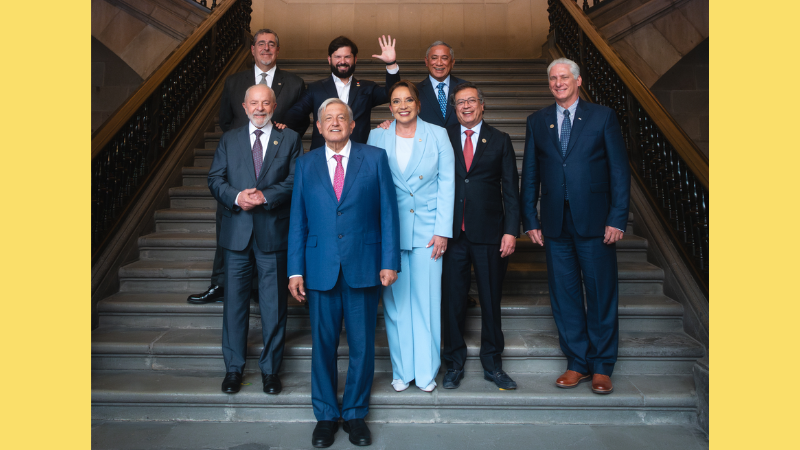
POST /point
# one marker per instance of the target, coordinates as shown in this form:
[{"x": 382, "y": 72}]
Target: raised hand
[{"x": 388, "y": 55}]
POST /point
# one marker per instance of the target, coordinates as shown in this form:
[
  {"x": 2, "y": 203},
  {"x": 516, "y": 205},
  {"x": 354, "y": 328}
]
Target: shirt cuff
[
  {"x": 395, "y": 70},
  {"x": 236, "y": 200},
  {"x": 295, "y": 276},
  {"x": 623, "y": 231}
]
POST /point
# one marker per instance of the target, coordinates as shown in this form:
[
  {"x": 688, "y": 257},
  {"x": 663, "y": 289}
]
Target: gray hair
[
  {"x": 271, "y": 92},
  {"x": 267, "y": 31},
  {"x": 576, "y": 71},
  {"x": 461, "y": 87},
  {"x": 330, "y": 101},
  {"x": 437, "y": 43}
]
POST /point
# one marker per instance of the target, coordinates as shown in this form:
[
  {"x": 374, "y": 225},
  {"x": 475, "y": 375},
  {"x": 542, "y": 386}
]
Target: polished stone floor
[{"x": 285, "y": 436}]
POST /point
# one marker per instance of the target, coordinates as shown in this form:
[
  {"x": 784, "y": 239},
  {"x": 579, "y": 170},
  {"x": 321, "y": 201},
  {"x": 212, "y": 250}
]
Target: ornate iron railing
[
  {"x": 128, "y": 148},
  {"x": 205, "y": 3},
  {"x": 665, "y": 161},
  {"x": 596, "y": 4}
]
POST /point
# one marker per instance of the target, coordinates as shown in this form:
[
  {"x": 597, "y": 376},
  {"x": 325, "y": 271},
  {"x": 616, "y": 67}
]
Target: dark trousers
[
  {"x": 273, "y": 290},
  {"x": 588, "y": 335},
  {"x": 490, "y": 269},
  {"x": 359, "y": 308},
  {"x": 218, "y": 269}
]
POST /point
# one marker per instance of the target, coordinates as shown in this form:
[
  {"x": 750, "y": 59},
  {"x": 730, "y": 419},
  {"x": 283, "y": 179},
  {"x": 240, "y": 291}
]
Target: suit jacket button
[
  {"x": 412, "y": 195},
  {"x": 339, "y": 213},
  {"x": 420, "y": 177},
  {"x": 565, "y": 165},
  {"x": 466, "y": 181},
  {"x": 340, "y": 236},
  {"x": 412, "y": 210}
]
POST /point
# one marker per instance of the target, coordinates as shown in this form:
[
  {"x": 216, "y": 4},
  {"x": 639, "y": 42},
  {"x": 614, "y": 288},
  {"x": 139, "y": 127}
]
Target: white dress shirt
[
  {"x": 403, "y": 148},
  {"x": 560, "y": 115},
  {"x": 343, "y": 89},
  {"x": 332, "y": 162},
  {"x": 270, "y": 75},
  {"x": 474, "y": 138},
  {"x": 267, "y": 129}
]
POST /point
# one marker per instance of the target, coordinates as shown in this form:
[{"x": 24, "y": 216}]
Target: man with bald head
[{"x": 252, "y": 176}]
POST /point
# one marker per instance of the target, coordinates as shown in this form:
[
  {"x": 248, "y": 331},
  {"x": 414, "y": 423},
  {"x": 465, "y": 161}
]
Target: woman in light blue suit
[{"x": 423, "y": 169}]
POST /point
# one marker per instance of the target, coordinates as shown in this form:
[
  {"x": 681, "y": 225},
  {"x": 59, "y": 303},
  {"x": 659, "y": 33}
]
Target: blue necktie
[
  {"x": 442, "y": 99},
  {"x": 566, "y": 127}
]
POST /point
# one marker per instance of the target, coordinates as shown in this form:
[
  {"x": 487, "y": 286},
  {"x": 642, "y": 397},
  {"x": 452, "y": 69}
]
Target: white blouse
[{"x": 403, "y": 148}]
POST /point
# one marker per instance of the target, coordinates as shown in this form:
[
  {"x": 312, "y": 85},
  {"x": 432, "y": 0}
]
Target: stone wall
[
  {"x": 475, "y": 28},
  {"x": 113, "y": 81}
]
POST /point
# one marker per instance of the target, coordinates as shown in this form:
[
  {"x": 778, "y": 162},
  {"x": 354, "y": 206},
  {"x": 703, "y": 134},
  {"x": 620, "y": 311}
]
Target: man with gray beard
[{"x": 252, "y": 177}]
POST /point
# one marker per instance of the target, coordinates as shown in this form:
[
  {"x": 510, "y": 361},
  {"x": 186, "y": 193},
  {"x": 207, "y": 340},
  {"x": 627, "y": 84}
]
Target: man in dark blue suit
[
  {"x": 574, "y": 150},
  {"x": 360, "y": 95},
  {"x": 251, "y": 176},
  {"x": 344, "y": 243},
  {"x": 435, "y": 89}
]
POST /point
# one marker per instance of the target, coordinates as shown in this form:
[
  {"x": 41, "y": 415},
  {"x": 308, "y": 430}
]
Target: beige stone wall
[{"x": 475, "y": 28}]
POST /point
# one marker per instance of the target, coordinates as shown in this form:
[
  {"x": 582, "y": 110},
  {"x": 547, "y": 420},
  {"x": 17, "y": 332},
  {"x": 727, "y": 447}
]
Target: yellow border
[{"x": 45, "y": 182}]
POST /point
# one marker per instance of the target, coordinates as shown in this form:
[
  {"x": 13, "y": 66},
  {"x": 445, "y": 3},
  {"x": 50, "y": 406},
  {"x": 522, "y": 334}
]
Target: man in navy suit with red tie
[{"x": 576, "y": 157}]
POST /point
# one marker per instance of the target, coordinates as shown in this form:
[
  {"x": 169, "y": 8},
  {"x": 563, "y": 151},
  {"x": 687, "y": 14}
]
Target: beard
[
  {"x": 338, "y": 73},
  {"x": 259, "y": 120}
]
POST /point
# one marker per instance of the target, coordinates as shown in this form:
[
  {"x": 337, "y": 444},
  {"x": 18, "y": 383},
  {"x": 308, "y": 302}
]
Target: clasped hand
[{"x": 250, "y": 198}]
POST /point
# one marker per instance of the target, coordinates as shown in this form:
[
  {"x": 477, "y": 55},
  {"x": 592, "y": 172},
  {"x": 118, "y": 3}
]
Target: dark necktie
[
  {"x": 566, "y": 128},
  {"x": 442, "y": 99},
  {"x": 258, "y": 152},
  {"x": 338, "y": 177},
  {"x": 468, "y": 161}
]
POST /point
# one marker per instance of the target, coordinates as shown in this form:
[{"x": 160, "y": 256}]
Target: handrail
[
  {"x": 664, "y": 160},
  {"x": 123, "y": 114},
  {"x": 683, "y": 144},
  {"x": 134, "y": 142}
]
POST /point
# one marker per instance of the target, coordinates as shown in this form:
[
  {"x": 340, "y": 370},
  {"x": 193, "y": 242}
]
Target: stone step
[
  {"x": 195, "y": 175},
  {"x": 519, "y": 312},
  {"x": 196, "y": 396},
  {"x": 186, "y": 220},
  {"x": 191, "y": 197},
  {"x": 526, "y": 351},
  {"x": 522, "y": 278}
]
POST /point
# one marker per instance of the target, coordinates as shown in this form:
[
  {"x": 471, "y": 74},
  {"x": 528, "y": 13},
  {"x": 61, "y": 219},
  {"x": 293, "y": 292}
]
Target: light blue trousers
[{"x": 412, "y": 309}]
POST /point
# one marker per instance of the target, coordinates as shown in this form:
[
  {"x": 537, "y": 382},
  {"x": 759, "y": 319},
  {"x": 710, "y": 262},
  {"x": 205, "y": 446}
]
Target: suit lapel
[
  {"x": 420, "y": 138},
  {"x": 353, "y": 165},
  {"x": 552, "y": 124},
  {"x": 277, "y": 82},
  {"x": 330, "y": 89},
  {"x": 449, "y": 109},
  {"x": 354, "y": 86},
  {"x": 582, "y": 115},
  {"x": 324, "y": 177},
  {"x": 275, "y": 138},
  {"x": 247, "y": 154},
  {"x": 483, "y": 141},
  {"x": 429, "y": 97},
  {"x": 454, "y": 133}
]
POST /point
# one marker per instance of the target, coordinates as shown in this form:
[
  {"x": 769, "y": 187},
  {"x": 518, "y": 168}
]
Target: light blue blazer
[{"x": 426, "y": 189}]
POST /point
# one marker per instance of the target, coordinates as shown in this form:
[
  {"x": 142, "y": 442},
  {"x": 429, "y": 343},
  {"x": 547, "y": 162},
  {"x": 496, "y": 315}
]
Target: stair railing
[
  {"x": 669, "y": 166},
  {"x": 596, "y": 4},
  {"x": 131, "y": 144}
]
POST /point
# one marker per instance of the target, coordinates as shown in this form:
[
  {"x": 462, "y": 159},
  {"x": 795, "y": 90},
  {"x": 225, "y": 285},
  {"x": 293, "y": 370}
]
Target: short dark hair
[
  {"x": 342, "y": 41},
  {"x": 461, "y": 87},
  {"x": 267, "y": 31},
  {"x": 411, "y": 88}
]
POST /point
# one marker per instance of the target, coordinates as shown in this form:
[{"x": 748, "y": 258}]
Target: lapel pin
[
  {"x": 552, "y": 126},
  {"x": 420, "y": 177},
  {"x": 420, "y": 139},
  {"x": 579, "y": 118},
  {"x": 279, "y": 84},
  {"x": 358, "y": 84},
  {"x": 483, "y": 140},
  {"x": 275, "y": 142}
]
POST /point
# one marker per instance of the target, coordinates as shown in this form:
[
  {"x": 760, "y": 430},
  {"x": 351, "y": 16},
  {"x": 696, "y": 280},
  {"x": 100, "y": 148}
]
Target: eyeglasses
[{"x": 472, "y": 101}]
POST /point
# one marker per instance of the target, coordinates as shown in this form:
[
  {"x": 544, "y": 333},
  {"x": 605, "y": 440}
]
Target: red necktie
[
  {"x": 468, "y": 161},
  {"x": 338, "y": 177}
]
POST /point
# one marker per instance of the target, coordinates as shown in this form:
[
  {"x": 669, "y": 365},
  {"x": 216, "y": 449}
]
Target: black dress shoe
[
  {"x": 452, "y": 379},
  {"x": 272, "y": 384},
  {"x": 324, "y": 433},
  {"x": 358, "y": 431},
  {"x": 213, "y": 294},
  {"x": 232, "y": 382},
  {"x": 501, "y": 379}
]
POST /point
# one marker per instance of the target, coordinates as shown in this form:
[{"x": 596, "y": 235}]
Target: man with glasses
[{"x": 485, "y": 229}]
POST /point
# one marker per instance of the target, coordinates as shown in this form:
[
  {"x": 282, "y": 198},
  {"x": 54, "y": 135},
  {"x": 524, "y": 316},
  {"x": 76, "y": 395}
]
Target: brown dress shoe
[
  {"x": 570, "y": 379},
  {"x": 601, "y": 384}
]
